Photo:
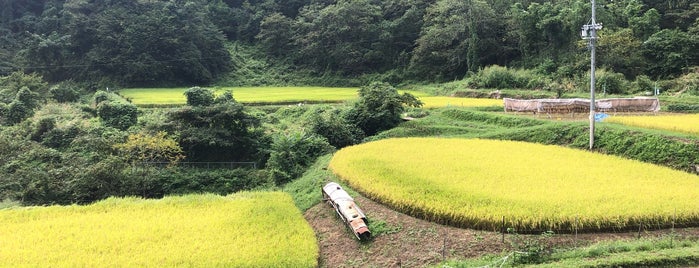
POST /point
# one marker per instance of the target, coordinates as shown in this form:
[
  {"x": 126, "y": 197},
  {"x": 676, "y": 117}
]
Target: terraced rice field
[
  {"x": 175, "y": 96},
  {"x": 248, "y": 229},
  {"x": 476, "y": 183},
  {"x": 685, "y": 123},
  {"x": 441, "y": 101}
]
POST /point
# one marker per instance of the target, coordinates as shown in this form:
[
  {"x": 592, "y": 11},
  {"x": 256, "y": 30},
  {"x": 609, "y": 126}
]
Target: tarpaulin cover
[{"x": 637, "y": 104}]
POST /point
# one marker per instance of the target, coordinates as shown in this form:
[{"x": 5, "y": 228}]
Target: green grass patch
[
  {"x": 652, "y": 252},
  {"x": 306, "y": 191},
  {"x": 247, "y": 229}
]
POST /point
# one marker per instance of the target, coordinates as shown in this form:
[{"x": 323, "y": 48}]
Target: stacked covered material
[{"x": 637, "y": 104}]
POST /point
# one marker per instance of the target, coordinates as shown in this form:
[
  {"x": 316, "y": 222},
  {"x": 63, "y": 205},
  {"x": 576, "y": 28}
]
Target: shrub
[
  {"x": 331, "y": 125},
  {"x": 101, "y": 96},
  {"x": 495, "y": 77},
  {"x": 643, "y": 84},
  {"x": 221, "y": 132},
  {"x": 292, "y": 153},
  {"x": 689, "y": 83},
  {"x": 146, "y": 147},
  {"x": 21, "y": 107},
  {"x": 153, "y": 182},
  {"x": 683, "y": 108},
  {"x": 610, "y": 82},
  {"x": 379, "y": 107},
  {"x": 197, "y": 96},
  {"x": 117, "y": 115},
  {"x": 65, "y": 92},
  {"x": 500, "y": 77}
]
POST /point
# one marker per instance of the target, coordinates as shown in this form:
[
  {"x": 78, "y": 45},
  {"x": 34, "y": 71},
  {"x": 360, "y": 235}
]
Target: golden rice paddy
[
  {"x": 442, "y": 101},
  {"x": 248, "y": 229},
  {"x": 478, "y": 183},
  {"x": 686, "y": 123}
]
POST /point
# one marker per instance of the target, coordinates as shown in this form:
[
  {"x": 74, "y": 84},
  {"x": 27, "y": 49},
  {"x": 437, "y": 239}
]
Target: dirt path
[{"x": 417, "y": 243}]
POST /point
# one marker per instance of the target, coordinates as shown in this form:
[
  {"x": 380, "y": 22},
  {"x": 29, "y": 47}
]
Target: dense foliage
[
  {"x": 183, "y": 42},
  {"x": 59, "y": 151}
]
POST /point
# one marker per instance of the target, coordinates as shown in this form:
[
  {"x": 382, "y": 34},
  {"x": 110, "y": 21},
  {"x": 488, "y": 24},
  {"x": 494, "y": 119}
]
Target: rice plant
[
  {"x": 248, "y": 229},
  {"x": 685, "y": 123},
  {"x": 475, "y": 183}
]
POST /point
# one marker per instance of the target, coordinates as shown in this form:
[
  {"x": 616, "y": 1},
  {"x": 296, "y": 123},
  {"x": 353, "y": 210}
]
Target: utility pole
[{"x": 589, "y": 32}]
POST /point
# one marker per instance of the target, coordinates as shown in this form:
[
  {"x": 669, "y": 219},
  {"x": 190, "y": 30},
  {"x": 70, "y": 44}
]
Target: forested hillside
[{"x": 178, "y": 42}]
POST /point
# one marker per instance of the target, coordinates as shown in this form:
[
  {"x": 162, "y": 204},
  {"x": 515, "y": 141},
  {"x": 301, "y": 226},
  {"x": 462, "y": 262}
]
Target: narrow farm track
[{"x": 419, "y": 243}]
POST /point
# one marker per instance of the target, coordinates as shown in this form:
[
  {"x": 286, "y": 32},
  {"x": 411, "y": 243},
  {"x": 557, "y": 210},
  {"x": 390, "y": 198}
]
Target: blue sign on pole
[{"x": 600, "y": 116}]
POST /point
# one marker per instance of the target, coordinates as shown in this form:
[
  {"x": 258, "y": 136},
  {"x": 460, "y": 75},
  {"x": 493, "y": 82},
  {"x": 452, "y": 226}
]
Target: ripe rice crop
[
  {"x": 686, "y": 123},
  {"x": 248, "y": 229},
  {"x": 250, "y": 95},
  {"x": 474, "y": 183},
  {"x": 441, "y": 101},
  {"x": 151, "y": 96}
]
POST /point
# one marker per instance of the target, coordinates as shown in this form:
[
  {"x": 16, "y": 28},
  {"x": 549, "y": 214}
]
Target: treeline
[{"x": 185, "y": 42}]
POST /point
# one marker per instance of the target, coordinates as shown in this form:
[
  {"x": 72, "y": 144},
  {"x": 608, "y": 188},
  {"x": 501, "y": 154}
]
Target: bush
[
  {"x": 379, "y": 108},
  {"x": 117, "y": 115},
  {"x": 643, "y": 84},
  {"x": 197, "y": 96},
  {"x": 21, "y": 107},
  {"x": 495, "y": 77},
  {"x": 292, "y": 153},
  {"x": 504, "y": 78},
  {"x": 65, "y": 92},
  {"x": 152, "y": 182},
  {"x": 331, "y": 125},
  {"x": 610, "y": 82},
  {"x": 101, "y": 96},
  {"x": 147, "y": 147},
  {"x": 683, "y": 108},
  {"x": 689, "y": 83}
]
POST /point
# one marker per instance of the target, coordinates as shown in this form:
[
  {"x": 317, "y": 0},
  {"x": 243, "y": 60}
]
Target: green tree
[
  {"x": 379, "y": 107},
  {"x": 276, "y": 34},
  {"x": 220, "y": 132},
  {"x": 669, "y": 52},
  {"x": 340, "y": 36},
  {"x": 621, "y": 51},
  {"x": 456, "y": 37},
  {"x": 10, "y": 85},
  {"x": 131, "y": 42}
]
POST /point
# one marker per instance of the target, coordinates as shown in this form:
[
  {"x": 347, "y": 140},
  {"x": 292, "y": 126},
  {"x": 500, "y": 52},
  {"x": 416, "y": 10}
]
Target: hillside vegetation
[{"x": 350, "y": 42}]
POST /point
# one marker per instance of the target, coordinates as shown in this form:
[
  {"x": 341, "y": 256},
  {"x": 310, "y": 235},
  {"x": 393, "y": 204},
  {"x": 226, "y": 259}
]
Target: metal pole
[{"x": 593, "y": 37}]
